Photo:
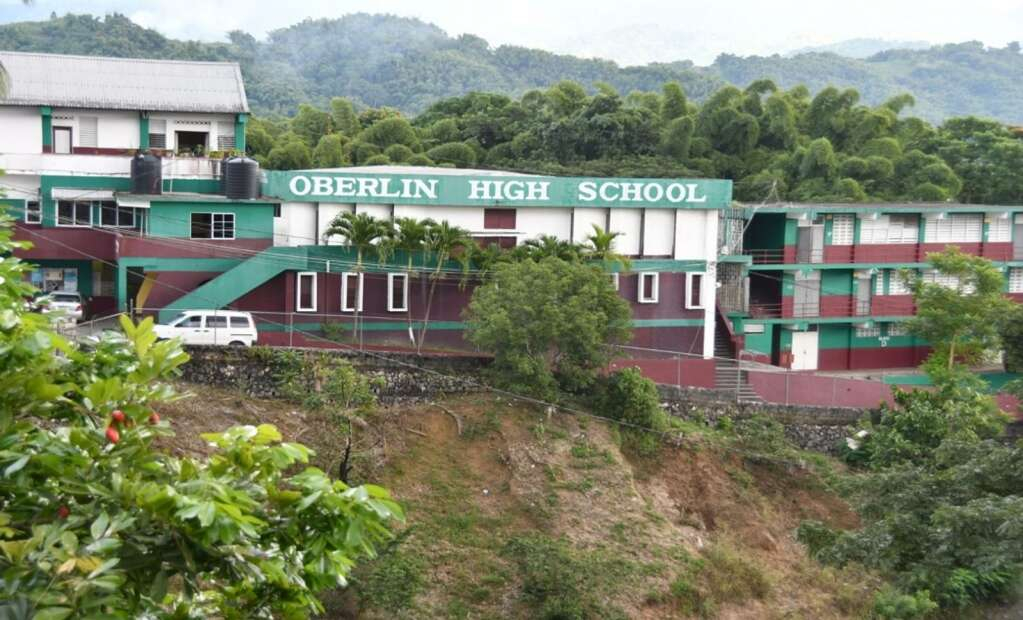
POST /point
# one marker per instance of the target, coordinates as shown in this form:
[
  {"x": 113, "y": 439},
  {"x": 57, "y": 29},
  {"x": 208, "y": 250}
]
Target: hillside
[
  {"x": 384, "y": 60},
  {"x": 523, "y": 516}
]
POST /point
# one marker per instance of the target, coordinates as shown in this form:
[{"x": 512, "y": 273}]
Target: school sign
[{"x": 495, "y": 190}]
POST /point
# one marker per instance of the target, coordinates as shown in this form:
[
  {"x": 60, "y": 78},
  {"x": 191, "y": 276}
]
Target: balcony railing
[
  {"x": 889, "y": 253},
  {"x": 824, "y": 308}
]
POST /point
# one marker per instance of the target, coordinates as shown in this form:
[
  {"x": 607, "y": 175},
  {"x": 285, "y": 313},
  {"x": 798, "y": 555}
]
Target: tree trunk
[{"x": 426, "y": 317}]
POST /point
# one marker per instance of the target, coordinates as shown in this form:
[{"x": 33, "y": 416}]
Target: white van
[{"x": 211, "y": 327}]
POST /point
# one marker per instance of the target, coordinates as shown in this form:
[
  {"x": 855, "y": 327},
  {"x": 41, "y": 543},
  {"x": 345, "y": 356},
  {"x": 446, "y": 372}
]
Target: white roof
[{"x": 122, "y": 83}]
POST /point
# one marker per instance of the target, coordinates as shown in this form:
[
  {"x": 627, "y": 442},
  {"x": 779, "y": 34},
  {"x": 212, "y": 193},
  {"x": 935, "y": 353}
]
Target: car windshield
[{"x": 65, "y": 297}]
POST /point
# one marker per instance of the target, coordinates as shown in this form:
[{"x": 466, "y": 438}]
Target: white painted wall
[
  {"x": 533, "y": 222},
  {"x": 469, "y": 218},
  {"x": 20, "y": 186},
  {"x": 380, "y": 212},
  {"x": 693, "y": 240},
  {"x": 628, "y": 222},
  {"x": 583, "y": 220},
  {"x": 183, "y": 121},
  {"x": 21, "y": 130},
  {"x": 297, "y": 224},
  {"x": 659, "y": 232}
]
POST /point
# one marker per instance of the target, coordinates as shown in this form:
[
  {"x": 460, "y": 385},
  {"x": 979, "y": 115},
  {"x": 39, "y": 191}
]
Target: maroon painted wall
[
  {"x": 88, "y": 242},
  {"x": 808, "y": 389},
  {"x": 892, "y": 305},
  {"x": 170, "y": 284},
  {"x": 681, "y": 371},
  {"x": 177, "y": 248}
]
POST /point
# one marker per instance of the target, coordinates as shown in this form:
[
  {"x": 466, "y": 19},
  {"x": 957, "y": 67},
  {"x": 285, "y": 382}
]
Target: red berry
[
  {"x": 118, "y": 416},
  {"x": 63, "y": 512},
  {"x": 112, "y": 435},
  {"x": 154, "y": 418}
]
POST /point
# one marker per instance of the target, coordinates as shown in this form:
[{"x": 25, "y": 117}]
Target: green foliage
[
  {"x": 98, "y": 521},
  {"x": 626, "y": 395},
  {"x": 1011, "y": 334},
  {"x": 329, "y": 152},
  {"x": 392, "y": 581},
  {"x": 457, "y": 153},
  {"x": 343, "y": 118},
  {"x": 962, "y": 322},
  {"x": 890, "y": 604},
  {"x": 548, "y": 324}
]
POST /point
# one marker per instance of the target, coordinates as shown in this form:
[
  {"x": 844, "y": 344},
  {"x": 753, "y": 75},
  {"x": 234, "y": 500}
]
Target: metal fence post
[{"x": 678, "y": 371}]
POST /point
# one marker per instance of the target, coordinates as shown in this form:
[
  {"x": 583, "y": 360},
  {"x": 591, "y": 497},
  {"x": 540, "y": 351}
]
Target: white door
[
  {"x": 216, "y": 329},
  {"x": 189, "y": 329},
  {"x": 804, "y": 350}
]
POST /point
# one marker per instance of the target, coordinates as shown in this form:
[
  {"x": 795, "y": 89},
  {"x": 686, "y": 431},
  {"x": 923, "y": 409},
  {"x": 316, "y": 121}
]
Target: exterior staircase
[
  {"x": 728, "y": 377},
  {"x": 240, "y": 279}
]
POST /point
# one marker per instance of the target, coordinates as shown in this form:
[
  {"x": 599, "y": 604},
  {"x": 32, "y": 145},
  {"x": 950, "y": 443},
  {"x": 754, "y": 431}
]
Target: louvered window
[
  {"x": 868, "y": 332},
  {"x": 157, "y": 134},
  {"x": 225, "y": 136},
  {"x": 999, "y": 230},
  {"x": 87, "y": 131},
  {"x": 889, "y": 229},
  {"x": 842, "y": 227},
  {"x": 896, "y": 285},
  {"x": 897, "y": 329},
  {"x": 1016, "y": 279},
  {"x": 955, "y": 228}
]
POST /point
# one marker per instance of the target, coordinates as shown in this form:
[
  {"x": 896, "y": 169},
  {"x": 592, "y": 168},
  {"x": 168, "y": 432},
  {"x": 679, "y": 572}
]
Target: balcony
[
  {"x": 834, "y": 306},
  {"x": 174, "y": 167},
  {"x": 889, "y": 253}
]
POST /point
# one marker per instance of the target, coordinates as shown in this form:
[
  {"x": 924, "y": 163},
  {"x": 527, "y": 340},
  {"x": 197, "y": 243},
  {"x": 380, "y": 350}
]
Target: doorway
[
  {"x": 62, "y": 140},
  {"x": 804, "y": 350}
]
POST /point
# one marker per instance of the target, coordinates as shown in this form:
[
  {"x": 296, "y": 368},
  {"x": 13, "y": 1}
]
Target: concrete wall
[{"x": 21, "y": 130}]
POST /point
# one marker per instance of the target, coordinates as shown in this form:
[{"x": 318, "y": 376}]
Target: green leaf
[
  {"x": 53, "y": 613},
  {"x": 16, "y": 466},
  {"x": 99, "y": 526}
]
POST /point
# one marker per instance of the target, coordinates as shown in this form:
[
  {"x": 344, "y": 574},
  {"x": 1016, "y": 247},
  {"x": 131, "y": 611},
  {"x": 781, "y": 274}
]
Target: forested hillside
[
  {"x": 384, "y": 60},
  {"x": 777, "y": 144}
]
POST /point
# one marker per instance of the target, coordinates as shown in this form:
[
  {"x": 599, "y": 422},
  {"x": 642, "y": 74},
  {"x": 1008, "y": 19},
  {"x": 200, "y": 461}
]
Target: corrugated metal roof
[{"x": 122, "y": 83}]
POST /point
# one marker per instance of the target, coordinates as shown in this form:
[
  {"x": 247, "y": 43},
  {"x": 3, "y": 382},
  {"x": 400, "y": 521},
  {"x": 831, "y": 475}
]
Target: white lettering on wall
[{"x": 299, "y": 182}]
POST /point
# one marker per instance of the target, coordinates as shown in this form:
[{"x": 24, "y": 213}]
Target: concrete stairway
[{"x": 728, "y": 377}]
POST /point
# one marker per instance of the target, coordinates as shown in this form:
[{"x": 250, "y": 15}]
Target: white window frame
[
  {"x": 116, "y": 211},
  {"x": 616, "y": 280},
  {"x": 298, "y": 291},
  {"x": 689, "y": 290},
  {"x": 894, "y": 330},
  {"x": 391, "y": 307},
  {"x": 843, "y": 229},
  {"x": 648, "y": 297},
  {"x": 213, "y": 217},
  {"x": 1015, "y": 277},
  {"x": 869, "y": 332},
  {"x": 76, "y": 203},
  {"x": 345, "y": 277},
  {"x": 38, "y": 211}
]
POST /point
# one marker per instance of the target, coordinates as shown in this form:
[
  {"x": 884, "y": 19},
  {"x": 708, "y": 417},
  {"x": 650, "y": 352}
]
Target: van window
[
  {"x": 240, "y": 321},
  {"x": 189, "y": 321},
  {"x": 216, "y": 321}
]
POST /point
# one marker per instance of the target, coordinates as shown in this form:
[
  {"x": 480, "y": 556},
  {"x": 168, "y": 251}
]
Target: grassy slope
[{"x": 522, "y": 514}]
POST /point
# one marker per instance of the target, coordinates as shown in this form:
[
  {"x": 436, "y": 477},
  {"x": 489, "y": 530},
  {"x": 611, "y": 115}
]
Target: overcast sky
[{"x": 630, "y": 32}]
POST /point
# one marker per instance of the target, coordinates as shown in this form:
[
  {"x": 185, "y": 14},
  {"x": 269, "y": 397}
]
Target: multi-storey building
[
  {"x": 70, "y": 126},
  {"x": 825, "y": 285}
]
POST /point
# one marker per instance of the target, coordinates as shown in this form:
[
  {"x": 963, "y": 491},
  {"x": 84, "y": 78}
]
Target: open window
[
  {"x": 351, "y": 292},
  {"x": 305, "y": 291},
  {"x": 397, "y": 292},
  {"x": 74, "y": 213},
  {"x": 33, "y": 212},
  {"x": 192, "y": 142},
  {"x": 649, "y": 287},
  {"x": 113, "y": 216},
  {"x": 694, "y": 291}
]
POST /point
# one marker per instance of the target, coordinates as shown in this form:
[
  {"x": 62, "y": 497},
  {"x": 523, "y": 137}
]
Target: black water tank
[
  {"x": 223, "y": 173},
  {"x": 146, "y": 174},
  {"x": 241, "y": 178}
]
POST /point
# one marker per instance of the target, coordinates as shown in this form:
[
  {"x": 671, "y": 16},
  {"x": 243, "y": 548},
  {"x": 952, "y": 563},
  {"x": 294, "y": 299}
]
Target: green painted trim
[
  {"x": 831, "y": 320},
  {"x": 660, "y": 265},
  {"x": 47, "y": 114},
  {"x": 143, "y": 131},
  {"x": 884, "y": 208},
  {"x": 382, "y": 326},
  {"x": 829, "y": 225},
  {"x": 667, "y": 323},
  {"x": 239, "y": 132},
  {"x": 48, "y": 182}
]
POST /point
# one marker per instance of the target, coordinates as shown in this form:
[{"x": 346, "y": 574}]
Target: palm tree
[
  {"x": 602, "y": 247},
  {"x": 442, "y": 240},
  {"x": 409, "y": 236},
  {"x": 546, "y": 246},
  {"x": 360, "y": 231}
]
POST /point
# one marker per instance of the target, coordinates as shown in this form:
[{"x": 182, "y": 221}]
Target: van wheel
[{"x": 237, "y": 343}]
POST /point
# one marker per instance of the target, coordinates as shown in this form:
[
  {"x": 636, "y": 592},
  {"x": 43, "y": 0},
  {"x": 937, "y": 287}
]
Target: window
[
  {"x": 397, "y": 292},
  {"x": 87, "y": 131},
  {"x": 954, "y": 228},
  {"x": 615, "y": 280},
  {"x": 351, "y": 292},
  {"x": 62, "y": 140},
  {"x": 240, "y": 322},
  {"x": 897, "y": 285},
  {"x": 648, "y": 288},
  {"x": 114, "y": 216},
  {"x": 893, "y": 229},
  {"x": 74, "y": 213},
  {"x": 225, "y": 136},
  {"x": 305, "y": 292},
  {"x": 502, "y": 242},
  {"x": 157, "y": 134},
  {"x": 33, "y": 212},
  {"x": 192, "y": 320},
  {"x": 897, "y": 329},
  {"x": 216, "y": 321},
  {"x": 842, "y": 227},
  {"x": 999, "y": 229},
  {"x": 1016, "y": 279},
  {"x": 503, "y": 219},
  {"x": 213, "y": 225},
  {"x": 694, "y": 290},
  {"x": 194, "y": 142},
  {"x": 868, "y": 332}
]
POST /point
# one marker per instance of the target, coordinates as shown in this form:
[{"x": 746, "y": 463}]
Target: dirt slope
[{"x": 525, "y": 516}]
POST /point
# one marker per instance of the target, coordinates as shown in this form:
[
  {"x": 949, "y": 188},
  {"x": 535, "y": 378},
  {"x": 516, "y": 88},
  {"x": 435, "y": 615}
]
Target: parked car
[
  {"x": 211, "y": 327},
  {"x": 68, "y": 303}
]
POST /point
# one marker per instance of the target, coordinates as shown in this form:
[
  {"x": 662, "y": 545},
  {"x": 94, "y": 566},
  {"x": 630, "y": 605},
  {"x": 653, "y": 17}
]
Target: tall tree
[
  {"x": 442, "y": 241},
  {"x": 360, "y": 231}
]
